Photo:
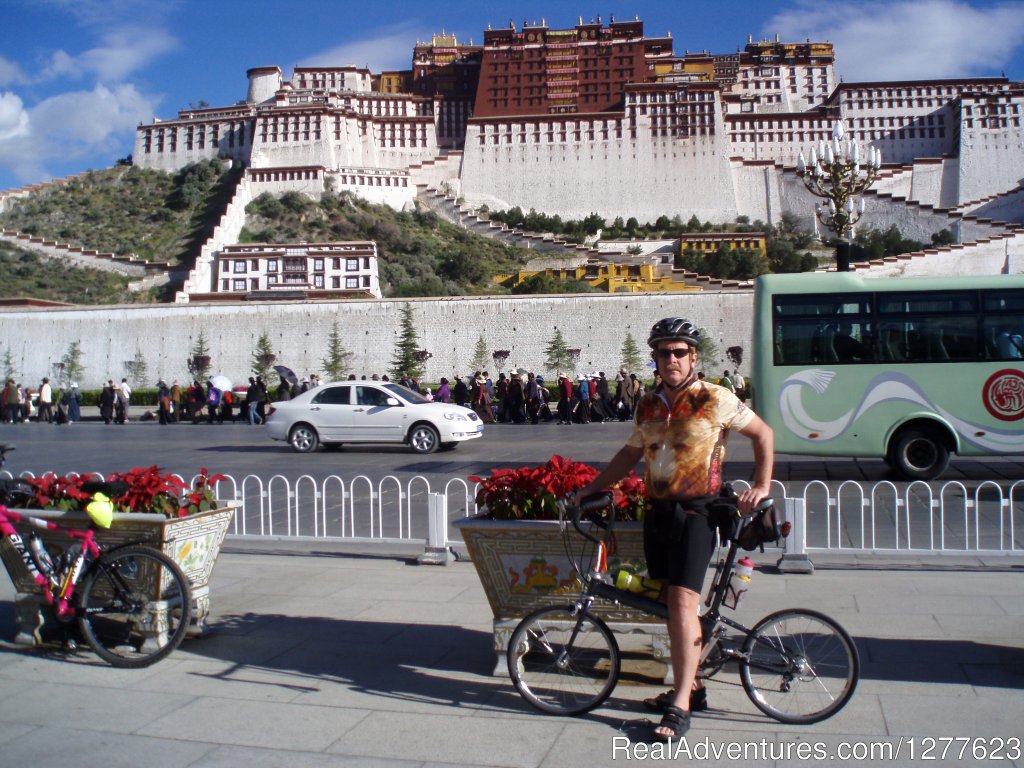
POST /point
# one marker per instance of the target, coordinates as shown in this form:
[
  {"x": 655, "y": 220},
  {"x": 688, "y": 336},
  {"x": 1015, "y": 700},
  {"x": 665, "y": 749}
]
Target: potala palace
[{"x": 600, "y": 118}]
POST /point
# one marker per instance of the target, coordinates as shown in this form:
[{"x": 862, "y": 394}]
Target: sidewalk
[{"x": 322, "y": 656}]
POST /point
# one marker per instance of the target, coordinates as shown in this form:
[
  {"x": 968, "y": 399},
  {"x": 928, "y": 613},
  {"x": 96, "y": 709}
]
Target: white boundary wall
[{"x": 447, "y": 328}]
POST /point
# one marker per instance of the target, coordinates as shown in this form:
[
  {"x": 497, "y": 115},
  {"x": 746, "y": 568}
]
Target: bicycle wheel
[
  {"x": 799, "y": 666},
  {"x": 558, "y": 672},
  {"x": 135, "y": 606}
]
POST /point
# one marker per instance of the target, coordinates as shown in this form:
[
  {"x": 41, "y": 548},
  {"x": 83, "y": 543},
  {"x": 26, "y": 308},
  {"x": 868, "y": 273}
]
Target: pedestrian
[
  {"x": 107, "y": 400},
  {"x": 741, "y": 386},
  {"x": 74, "y": 398},
  {"x": 163, "y": 400},
  {"x": 564, "y": 399},
  {"x": 127, "y": 391},
  {"x": 262, "y": 398},
  {"x": 212, "y": 402},
  {"x": 726, "y": 382},
  {"x": 175, "y": 401},
  {"x": 444, "y": 392},
  {"x": 679, "y": 537},
  {"x": 250, "y": 403},
  {"x": 45, "y": 401},
  {"x": 460, "y": 393},
  {"x": 11, "y": 400}
]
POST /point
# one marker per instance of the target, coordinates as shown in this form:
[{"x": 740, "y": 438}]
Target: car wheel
[
  {"x": 303, "y": 438},
  {"x": 919, "y": 454},
  {"x": 423, "y": 438}
]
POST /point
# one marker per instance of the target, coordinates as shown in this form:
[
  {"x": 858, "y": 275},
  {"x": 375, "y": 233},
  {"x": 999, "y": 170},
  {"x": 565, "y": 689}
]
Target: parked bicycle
[
  {"x": 796, "y": 665},
  {"x": 132, "y": 603}
]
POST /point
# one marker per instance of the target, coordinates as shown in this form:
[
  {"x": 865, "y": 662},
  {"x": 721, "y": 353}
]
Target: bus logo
[{"x": 1003, "y": 394}]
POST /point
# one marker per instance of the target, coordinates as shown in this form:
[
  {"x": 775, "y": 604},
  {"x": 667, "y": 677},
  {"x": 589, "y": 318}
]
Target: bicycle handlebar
[{"x": 590, "y": 504}]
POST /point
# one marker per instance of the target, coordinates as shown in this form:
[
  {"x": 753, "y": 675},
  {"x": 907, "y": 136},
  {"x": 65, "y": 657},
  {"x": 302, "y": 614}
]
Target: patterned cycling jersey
[{"x": 684, "y": 447}]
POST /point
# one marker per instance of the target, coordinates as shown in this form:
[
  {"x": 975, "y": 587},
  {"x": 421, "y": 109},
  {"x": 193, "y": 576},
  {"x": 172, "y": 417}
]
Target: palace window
[
  {"x": 240, "y": 266},
  {"x": 239, "y": 285}
]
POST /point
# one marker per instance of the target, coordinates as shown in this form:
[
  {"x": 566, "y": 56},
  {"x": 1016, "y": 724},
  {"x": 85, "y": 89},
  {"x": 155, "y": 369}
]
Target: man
[
  {"x": 126, "y": 390},
  {"x": 45, "y": 401},
  {"x": 680, "y": 431}
]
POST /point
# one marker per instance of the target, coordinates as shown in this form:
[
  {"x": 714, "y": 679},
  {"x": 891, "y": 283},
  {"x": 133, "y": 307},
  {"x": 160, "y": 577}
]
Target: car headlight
[{"x": 453, "y": 416}]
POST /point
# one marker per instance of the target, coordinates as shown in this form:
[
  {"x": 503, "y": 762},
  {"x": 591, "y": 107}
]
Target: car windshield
[{"x": 405, "y": 394}]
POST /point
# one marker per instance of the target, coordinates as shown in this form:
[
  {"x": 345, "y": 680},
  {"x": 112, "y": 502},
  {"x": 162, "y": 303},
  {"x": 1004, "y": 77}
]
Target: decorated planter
[
  {"x": 193, "y": 542},
  {"x": 523, "y": 566}
]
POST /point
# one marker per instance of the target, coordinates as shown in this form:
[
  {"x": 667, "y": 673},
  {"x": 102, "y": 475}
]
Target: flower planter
[
  {"x": 193, "y": 542},
  {"x": 523, "y": 566}
]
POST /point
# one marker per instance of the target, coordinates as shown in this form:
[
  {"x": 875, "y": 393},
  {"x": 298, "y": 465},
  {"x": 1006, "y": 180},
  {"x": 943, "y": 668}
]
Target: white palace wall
[
  {"x": 447, "y": 328},
  {"x": 643, "y": 177}
]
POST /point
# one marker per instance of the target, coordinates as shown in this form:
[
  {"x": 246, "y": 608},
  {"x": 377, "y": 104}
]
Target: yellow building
[
  {"x": 612, "y": 278},
  {"x": 709, "y": 242}
]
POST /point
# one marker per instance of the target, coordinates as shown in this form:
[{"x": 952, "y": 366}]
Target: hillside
[
  {"x": 26, "y": 274},
  {"x": 419, "y": 253},
  {"x": 157, "y": 216}
]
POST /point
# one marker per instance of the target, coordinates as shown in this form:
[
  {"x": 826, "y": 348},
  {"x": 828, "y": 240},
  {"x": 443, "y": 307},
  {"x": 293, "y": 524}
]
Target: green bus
[{"x": 910, "y": 370}]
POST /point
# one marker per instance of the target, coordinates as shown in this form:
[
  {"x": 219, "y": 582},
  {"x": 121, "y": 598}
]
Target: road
[{"x": 239, "y": 450}]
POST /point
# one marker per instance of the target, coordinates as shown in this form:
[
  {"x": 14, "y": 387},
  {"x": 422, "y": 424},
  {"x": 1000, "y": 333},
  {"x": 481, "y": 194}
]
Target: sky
[{"x": 77, "y": 76}]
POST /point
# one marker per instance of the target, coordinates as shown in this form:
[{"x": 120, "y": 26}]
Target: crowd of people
[{"x": 516, "y": 397}]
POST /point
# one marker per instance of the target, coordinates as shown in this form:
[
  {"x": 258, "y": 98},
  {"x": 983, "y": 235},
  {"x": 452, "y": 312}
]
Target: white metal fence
[{"x": 849, "y": 517}]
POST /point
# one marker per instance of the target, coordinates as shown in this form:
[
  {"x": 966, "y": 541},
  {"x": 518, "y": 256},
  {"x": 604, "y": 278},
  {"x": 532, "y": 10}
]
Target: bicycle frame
[{"x": 58, "y": 589}]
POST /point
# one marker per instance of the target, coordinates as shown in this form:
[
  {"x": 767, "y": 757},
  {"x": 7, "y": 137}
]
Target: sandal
[
  {"x": 675, "y": 720},
  {"x": 698, "y": 700}
]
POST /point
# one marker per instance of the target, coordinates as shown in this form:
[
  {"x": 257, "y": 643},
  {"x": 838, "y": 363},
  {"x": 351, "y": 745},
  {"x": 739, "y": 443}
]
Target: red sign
[{"x": 1003, "y": 394}]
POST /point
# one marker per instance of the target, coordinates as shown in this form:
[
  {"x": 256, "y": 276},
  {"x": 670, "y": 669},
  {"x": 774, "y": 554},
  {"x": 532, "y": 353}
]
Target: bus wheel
[{"x": 918, "y": 454}]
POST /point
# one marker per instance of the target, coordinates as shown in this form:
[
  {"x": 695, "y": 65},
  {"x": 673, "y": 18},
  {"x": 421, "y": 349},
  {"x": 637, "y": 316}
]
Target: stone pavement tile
[
  {"x": 916, "y": 603},
  {"x": 453, "y": 614},
  {"x": 301, "y": 606},
  {"x": 226, "y": 679},
  {"x": 862, "y": 626},
  {"x": 63, "y": 745},
  {"x": 443, "y": 738},
  {"x": 941, "y": 652},
  {"x": 276, "y": 725},
  {"x": 1009, "y": 676},
  {"x": 252, "y": 648},
  {"x": 12, "y": 731},
  {"x": 912, "y": 677},
  {"x": 1012, "y": 604},
  {"x": 51, "y": 665},
  {"x": 426, "y": 591},
  {"x": 986, "y": 716},
  {"x": 965, "y": 625},
  {"x": 252, "y": 757},
  {"x": 104, "y": 709}
]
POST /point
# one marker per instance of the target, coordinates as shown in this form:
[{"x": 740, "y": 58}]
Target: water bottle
[
  {"x": 40, "y": 556},
  {"x": 630, "y": 582},
  {"x": 742, "y": 573}
]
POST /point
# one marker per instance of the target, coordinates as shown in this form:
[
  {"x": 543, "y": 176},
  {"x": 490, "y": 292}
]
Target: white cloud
[
  {"x": 909, "y": 39},
  {"x": 11, "y": 73},
  {"x": 13, "y": 117},
  {"x": 71, "y": 126},
  {"x": 122, "y": 52},
  {"x": 384, "y": 52}
]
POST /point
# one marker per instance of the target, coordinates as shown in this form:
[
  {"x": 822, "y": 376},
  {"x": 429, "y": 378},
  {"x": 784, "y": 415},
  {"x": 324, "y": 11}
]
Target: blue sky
[{"x": 77, "y": 76}]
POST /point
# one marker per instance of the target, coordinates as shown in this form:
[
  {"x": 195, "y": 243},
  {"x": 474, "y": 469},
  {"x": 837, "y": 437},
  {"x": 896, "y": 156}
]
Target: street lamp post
[{"x": 835, "y": 173}]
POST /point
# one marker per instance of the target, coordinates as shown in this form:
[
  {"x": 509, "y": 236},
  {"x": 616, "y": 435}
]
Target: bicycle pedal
[{"x": 70, "y": 646}]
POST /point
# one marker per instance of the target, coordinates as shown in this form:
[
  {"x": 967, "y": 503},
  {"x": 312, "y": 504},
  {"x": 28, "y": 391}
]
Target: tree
[
  {"x": 73, "y": 368},
  {"x": 479, "y": 359},
  {"x": 138, "y": 368},
  {"x": 263, "y": 357},
  {"x": 405, "y": 360},
  {"x": 557, "y": 353},
  {"x": 632, "y": 360},
  {"x": 199, "y": 363},
  {"x": 336, "y": 363},
  {"x": 708, "y": 349},
  {"x": 8, "y": 366}
]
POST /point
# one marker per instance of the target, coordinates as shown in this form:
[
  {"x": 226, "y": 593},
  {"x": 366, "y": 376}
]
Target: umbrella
[
  {"x": 287, "y": 374},
  {"x": 223, "y": 383}
]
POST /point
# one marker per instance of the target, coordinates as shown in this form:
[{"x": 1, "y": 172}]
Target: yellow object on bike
[
  {"x": 641, "y": 585},
  {"x": 100, "y": 510}
]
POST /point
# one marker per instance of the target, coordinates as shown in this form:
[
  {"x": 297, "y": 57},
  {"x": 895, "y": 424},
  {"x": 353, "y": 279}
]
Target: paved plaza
[{"x": 321, "y": 655}]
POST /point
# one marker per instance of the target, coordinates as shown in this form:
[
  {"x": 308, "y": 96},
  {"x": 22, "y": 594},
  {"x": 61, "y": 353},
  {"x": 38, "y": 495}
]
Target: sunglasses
[{"x": 677, "y": 352}]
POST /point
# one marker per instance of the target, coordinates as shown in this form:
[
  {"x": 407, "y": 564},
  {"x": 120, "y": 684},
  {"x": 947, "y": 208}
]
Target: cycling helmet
[{"x": 674, "y": 329}]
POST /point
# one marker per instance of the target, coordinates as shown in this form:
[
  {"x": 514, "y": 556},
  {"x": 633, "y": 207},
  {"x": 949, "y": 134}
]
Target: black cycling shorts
[{"x": 678, "y": 542}]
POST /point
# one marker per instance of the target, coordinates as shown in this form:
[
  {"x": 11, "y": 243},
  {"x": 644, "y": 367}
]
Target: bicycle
[
  {"x": 132, "y": 603},
  {"x": 797, "y": 666}
]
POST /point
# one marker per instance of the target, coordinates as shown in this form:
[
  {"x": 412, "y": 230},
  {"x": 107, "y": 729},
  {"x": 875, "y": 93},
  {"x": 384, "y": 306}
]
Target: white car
[{"x": 370, "y": 412}]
